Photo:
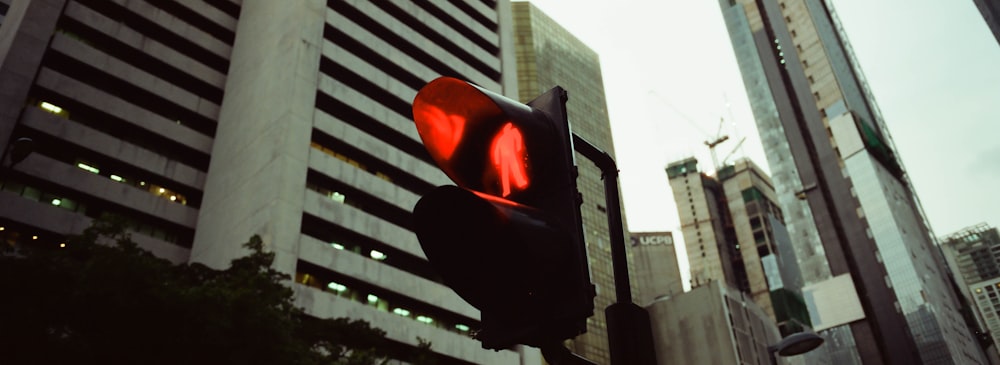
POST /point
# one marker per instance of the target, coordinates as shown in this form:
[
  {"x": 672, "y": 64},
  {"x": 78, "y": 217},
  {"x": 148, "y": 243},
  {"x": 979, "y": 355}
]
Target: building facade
[
  {"x": 711, "y": 248},
  {"x": 736, "y": 214},
  {"x": 711, "y": 324},
  {"x": 974, "y": 256},
  {"x": 206, "y": 122},
  {"x": 548, "y": 56},
  {"x": 657, "y": 273},
  {"x": 848, "y": 204}
]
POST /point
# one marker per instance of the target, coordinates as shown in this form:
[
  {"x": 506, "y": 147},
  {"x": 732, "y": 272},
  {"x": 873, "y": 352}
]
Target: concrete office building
[
  {"x": 974, "y": 256},
  {"x": 657, "y": 273},
  {"x": 711, "y": 324},
  {"x": 973, "y": 253},
  {"x": 548, "y": 56},
  {"x": 711, "y": 249},
  {"x": 735, "y": 233},
  {"x": 848, "y": 205},
  {"x": 206, "y": 122},
  {"x": 991, "y": 14}
]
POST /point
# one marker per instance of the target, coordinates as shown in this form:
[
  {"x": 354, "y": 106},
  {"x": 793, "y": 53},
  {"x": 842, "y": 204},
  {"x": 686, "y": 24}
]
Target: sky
[{"x": 672, "y": 82}]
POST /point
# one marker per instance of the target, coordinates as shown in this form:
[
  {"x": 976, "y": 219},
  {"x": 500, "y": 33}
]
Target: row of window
[
  {"x": 36, "y": 194},
  {"x": 39, "y": 194},
  {"x": 367, "y": 298},
  {"x": 157, "y": 190},
  {"x": 350, "y": 241},
  {"x": 13, "y": 237}
]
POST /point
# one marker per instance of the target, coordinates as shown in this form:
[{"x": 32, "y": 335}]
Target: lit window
[
  {"x": 462, "y": 327},
  {"x": 424, "y": 319},
  {"x": 377, "y": 255},
  {"x": 2, "y": 228},
  {"x": 34, "y": 237},
  {"x": 337, "y": 246},
  {"x": 336, "y": 287},
  {"x": 162, "y": 190},
  {"x": 56, "y": 202},
  {"x": 87, "y": 167},
  {"x": 402, "y": 312},
  {"x": 173, "y": 198},
  {"x": 117, "y": 178},
  {"x": 337, "y": 197},
  {"x": 62, "y": 244},
  {"x": 50, "y": 107},
  {"x": 372, "y": 298}
]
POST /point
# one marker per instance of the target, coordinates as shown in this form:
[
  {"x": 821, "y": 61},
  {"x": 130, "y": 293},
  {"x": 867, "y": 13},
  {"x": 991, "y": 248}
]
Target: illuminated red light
[
  {"x": 443, "y": 131},
  {"x": 509, "y": 157}
]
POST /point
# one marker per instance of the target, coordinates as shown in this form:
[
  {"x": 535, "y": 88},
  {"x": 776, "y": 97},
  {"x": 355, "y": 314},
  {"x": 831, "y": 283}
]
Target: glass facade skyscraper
[
  {"x": 548, "y": 55},
  {"x": 848, "y": 205}
]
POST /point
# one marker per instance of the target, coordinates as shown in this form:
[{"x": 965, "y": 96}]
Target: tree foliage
[{"x": 103, "y": 300}]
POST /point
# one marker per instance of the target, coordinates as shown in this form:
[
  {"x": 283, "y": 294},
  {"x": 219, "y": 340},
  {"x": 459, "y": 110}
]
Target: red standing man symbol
[{"x": 508, "y": 156}]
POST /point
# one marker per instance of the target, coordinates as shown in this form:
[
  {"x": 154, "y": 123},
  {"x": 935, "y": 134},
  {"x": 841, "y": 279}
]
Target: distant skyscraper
[
  {"x": 206, "y": 122},
  {"x": 547, "y": 56},
  {"x": 991, "y": 13},
  {"x": 656, "y": 272},
  {"x": 974, "y": 255},
  {"x": 848, "y": 206},
  {"x": 734, "y": 232}
]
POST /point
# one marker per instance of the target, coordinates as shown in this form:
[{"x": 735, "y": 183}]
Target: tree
[{"x": 103, "y": 300}]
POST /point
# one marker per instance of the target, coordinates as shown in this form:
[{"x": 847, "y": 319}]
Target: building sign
[{"x": 652, "y": 238}]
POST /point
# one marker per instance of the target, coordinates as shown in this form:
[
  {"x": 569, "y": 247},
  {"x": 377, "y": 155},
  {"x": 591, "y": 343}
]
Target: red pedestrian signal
[{"x": 508, "y": 238}]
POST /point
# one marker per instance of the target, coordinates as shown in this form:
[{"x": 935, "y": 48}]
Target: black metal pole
[
  {"x": 630, "y": 336},
  {"x": 609, "y": 172}
]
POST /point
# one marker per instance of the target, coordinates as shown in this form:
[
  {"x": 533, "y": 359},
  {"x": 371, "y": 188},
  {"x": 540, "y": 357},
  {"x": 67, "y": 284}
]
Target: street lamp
[
  {"x": 20, "y": 149},
  {"x": 794, "y": 344}
]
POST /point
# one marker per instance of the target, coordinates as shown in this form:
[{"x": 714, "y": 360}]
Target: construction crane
[{"x": 719, "y": 138}]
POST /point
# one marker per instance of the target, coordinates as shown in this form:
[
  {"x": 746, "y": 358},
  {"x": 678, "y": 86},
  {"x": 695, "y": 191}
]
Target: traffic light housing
[{"x": 508, "y": 237}]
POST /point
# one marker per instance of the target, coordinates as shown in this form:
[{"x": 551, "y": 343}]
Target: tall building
[
  {"x": 734, "y": 233},
  {"x": 974, "y": 256},
  {"x": 711, "y": 248},
  {"x": 974, "y": 253},
  {"x": 657, "y": 273},
  {"x": 848, "y": 205},
  {"x": 547, "y": 56},
  {"x": 991, "y": 13},
  {"x": 206, "y": 122}
]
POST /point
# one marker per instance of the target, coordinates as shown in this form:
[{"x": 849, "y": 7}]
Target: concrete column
[
  {"x": 257, "y": 176},
  {"x": 24, "y": 37}
]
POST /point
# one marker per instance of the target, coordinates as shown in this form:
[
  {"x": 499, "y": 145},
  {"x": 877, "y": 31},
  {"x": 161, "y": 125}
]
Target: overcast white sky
[{"x": 669, "y": 74}]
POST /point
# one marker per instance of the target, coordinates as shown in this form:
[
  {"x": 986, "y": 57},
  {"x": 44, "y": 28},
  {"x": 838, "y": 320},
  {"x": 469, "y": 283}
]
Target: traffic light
[{"x": 508, "y": 238}]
